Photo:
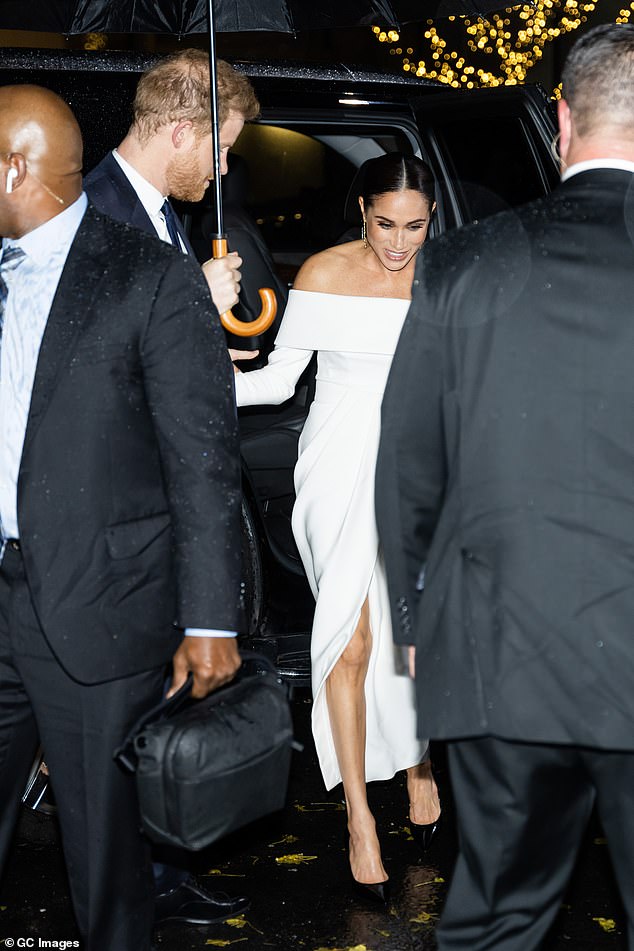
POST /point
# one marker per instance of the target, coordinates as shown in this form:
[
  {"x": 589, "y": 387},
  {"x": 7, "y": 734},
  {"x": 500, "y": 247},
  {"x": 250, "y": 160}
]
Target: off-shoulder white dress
[{"x": 333, "y": 518}]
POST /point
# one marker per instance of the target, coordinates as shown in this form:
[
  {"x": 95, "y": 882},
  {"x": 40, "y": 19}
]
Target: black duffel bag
[{"x": 205, "y": 768}]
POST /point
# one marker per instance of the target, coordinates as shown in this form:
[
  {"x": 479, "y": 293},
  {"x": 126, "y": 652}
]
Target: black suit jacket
[
  {"x": 110, "y": 191},
  {"x": 506, "y": 471},
  {"x": 129, "y": 484}
]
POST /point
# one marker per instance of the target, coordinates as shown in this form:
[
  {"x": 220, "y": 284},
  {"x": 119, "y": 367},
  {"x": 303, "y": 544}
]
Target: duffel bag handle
[{"x": 253, "y": 664}]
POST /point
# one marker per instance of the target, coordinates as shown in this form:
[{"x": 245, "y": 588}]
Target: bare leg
[
  {"x": 424, "y": 804},
  {"x": 346, "y": 707}
]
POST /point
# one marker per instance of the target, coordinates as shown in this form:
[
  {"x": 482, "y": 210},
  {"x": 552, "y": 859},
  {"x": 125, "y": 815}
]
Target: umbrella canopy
[{"x": 182, "y": 17}]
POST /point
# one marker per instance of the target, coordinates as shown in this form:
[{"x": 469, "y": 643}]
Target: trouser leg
[
  {"x": 107, "y": 857},
  {"x": 522, "y": 810},
  {"x": 80, "y": 727},
  {"x": 18, "y": 732},
  {"x": 613, "y": 776}
]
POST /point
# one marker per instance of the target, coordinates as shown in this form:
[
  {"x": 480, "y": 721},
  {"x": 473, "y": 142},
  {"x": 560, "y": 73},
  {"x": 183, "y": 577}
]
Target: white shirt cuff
[{"x": 203, "y": 632}]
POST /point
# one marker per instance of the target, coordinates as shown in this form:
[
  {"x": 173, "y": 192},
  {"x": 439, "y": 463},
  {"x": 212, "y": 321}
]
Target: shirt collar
[
  {"x": 55, "y": 235},
  {"x": 578, "y": 167},
  {"x": 149, "y": 195}
]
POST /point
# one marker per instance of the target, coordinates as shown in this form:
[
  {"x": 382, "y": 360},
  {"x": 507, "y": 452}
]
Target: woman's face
[{"x": 397, "y": 225}]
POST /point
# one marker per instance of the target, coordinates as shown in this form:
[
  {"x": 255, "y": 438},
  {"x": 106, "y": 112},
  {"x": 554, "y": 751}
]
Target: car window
[
  {"x": 491, "y": 162},
  {"x": 297, "y": 190}
]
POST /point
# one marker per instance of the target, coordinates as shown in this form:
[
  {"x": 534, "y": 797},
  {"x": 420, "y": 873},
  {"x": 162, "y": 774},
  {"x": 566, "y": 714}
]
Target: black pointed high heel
[
  {"x": 378, "y": 891},
  {"x": 423, "y": 834}
]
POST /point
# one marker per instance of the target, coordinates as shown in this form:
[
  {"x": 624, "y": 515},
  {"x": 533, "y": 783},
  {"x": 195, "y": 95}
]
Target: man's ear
[
  {"x": 182, "y": 133},
  {"x": 564, "y": 118},
  {"x": 15, "y": 171}
]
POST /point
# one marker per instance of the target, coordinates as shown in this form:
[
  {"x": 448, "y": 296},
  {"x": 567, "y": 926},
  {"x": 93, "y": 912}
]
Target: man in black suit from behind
[
  {"x": 119, "y": 504},
  {"x": 505, "y": 499}
]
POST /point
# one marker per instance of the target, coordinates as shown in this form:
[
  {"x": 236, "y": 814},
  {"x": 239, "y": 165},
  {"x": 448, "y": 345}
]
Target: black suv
[{"x": 488, "y": 148}]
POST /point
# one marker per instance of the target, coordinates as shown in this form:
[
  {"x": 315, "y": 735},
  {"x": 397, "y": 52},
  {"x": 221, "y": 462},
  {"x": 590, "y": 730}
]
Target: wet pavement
[{"x": 293, "y": 867}]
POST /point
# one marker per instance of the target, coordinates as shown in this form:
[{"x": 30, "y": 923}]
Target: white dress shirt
[
  {"x": 150, "y": 197},
  {"x": 31, "y": 289}
]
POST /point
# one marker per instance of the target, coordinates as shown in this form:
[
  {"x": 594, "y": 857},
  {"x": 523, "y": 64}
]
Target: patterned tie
[
  {"x": 170, "y": 220},
  {"x": 11, "y": 258}
]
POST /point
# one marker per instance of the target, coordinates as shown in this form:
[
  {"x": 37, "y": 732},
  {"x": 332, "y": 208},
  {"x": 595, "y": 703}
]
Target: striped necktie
[{"x": 12, "y": 257}]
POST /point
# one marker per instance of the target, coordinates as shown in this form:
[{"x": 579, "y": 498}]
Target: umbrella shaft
[{"x": 215, "y": 130}]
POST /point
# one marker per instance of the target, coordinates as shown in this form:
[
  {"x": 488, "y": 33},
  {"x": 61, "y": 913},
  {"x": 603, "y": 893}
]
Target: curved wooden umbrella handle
[{"x": 245, "y": 328}]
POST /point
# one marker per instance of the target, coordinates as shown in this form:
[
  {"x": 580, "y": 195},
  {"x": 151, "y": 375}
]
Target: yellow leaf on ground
[
  {"x": 320, "y": 806},
  {"x": 222, "y": 942},
  {"x": 608, "y": 924},
  {"x": 285, "y": 840},
  {"x": 357, "y": 947},
  {"x": 241, "y": 922},
  {"x": 298, "y": 858},
  {"x": 423, "y": 918},
  {"x": 403, "y": 830}
]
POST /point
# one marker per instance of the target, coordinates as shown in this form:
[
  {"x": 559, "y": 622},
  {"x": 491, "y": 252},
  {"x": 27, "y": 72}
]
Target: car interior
[{"x": 488, "y": 150}]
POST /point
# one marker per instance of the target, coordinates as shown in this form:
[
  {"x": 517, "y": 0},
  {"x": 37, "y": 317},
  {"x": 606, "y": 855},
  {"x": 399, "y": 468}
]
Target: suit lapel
[
  {"x": 139, "y": 217},
  {"x": 132, "y": 210},
  {"x": 71, "y": 308}
]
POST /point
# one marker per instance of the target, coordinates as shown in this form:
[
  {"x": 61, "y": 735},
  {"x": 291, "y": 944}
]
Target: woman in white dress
[{"x": 348, "y": 303}]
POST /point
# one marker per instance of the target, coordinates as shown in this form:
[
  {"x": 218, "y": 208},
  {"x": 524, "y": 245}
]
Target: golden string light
[
  {"x": 500, "y": 50},
  {"x": 96, "y": 41}
]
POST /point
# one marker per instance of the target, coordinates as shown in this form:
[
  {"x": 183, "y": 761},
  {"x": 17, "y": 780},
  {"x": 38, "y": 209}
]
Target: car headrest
[{"x": 351, "y": 210}]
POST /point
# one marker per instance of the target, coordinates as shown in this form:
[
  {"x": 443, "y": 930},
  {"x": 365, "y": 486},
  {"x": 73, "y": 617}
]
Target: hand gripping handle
[{"x": 245, "y": 328}]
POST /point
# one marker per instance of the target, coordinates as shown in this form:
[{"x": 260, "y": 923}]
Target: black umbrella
[{"x": 183, "y": 17}]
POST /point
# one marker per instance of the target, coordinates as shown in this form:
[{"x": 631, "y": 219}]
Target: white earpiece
[{"x": 11, "y": 174}]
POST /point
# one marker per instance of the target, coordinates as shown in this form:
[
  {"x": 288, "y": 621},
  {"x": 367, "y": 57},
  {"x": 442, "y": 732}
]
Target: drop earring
[{"x": 364, "y": 232}]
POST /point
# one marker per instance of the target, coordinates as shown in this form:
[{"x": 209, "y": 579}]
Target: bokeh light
[{"x": 500, "y": 50}]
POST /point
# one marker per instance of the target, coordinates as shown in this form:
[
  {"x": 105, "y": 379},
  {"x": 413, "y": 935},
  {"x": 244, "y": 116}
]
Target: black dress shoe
[{"x": 195, "y": 905}]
